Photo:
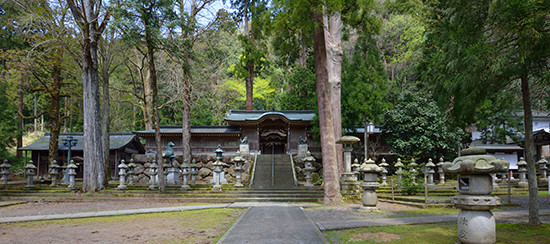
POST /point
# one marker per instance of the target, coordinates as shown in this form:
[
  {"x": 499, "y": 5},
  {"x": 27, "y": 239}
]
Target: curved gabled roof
[
  {"x": 116, "y": 141},
  {"x": 255, "y": 115}
]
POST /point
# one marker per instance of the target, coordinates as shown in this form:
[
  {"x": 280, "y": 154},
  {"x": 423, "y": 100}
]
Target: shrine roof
[
  {"x": 254, "y": 115},
  {"x": 177, "y": 129},
  {"x": 116, "y": 141}
]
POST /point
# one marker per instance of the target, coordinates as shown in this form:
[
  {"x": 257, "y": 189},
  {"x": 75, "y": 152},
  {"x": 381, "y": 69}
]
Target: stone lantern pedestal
[
  {"x": 476, "y": 223},
  {"x": 5, "y": 171},
  {"x": 30, "y": 171},
  {"x": 430, "y": 171},
  {"x": 370, "y": 183},
  {"x": 185, "y": 172},
  {"x": 522, "y": 169},
  {"x": 543, "y": 170},
  {"x": 239, "y": 161},
  {"x": 308, "y": 169},
  {"x": 54, "y": 172},
  {"x": 122, "y": 168},
  {"x": 72, "y": 175},
  {"x": 348, "y": 180}
]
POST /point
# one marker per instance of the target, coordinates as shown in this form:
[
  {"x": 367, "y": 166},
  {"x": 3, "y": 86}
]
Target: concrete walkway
[{"x": 273, "y": 225}]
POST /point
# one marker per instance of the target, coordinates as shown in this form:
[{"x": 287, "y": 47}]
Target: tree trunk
[
  {"x": 106, "y": 121},
  {"x": 334, "y": 64},
  {"x": 152, "y": 78},
  {"x": 148, "y": 102},
  {"x": 534, "y": 217},
  {"x": 250, "y": 88},
  {"x": 332, "y": 194},
  {"x": 54, "y": 111},
  {"x": 186, "y": 120},
  {"x": 19, "y": 142}
]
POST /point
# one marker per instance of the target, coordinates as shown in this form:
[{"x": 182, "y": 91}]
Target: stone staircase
[{"x": 273, "y": 171}]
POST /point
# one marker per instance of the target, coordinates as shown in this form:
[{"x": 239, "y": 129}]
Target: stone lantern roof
[{"x": 475, "y": 161}]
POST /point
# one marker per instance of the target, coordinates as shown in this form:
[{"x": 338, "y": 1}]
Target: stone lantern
[
  {"x": 412, "y": 169},
  {"x": 430, "y": 172},
  {"x": 543, "y": 169},
  {"x": 370, "y": 183},
  {"x": 384, "y": 166},
  {"x": 399, "y": 165},
  {"x": 5, "y": 171},
  {"x": 218, "y": 170},
  {"x": 185, "y": 171},
  {"x": 72, "y": 174},
  {"x": 30, "y": 171},
  {"x": 522, "y": 169},
  {"x": 476, "y": 223},
  {"x": 239, "y": 161},
  {"x": 440, "y": 171},
  {"x": 308, "y": 168},
  {"x": 348, "y": 181},
  {"x": 54, "y": 172},
  {"x": 122, "y": 168},
  {"x": 194, "y": 171},
  {"x": 131, "y": 172},
  {"x": 153, "y": 170}
]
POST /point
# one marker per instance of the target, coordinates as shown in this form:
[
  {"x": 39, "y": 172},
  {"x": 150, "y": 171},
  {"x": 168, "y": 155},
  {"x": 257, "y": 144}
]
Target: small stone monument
[
  {"x": 194, "y": 171},
  {"x": 476, "y": 223},
  {"x": 430, "y": 166},
  {"x": 399, "y": 165},
  {"x": 54, "y": 172},
  {"x": 355, "y": 167},
  {"x": 302, "y": 147},
  {"x": 218, "y": 170},
  {"x": 543, "y": 170},
  {"x": 440, "y": 171},
  {"x": 122, "y": 168},
  {"x": 30, "y": 171},
  {"x": 72, "y": 175},
  {"x": 219, "y": 156},
  {"x": 153, "y": 171},
  {"x": 384, "y": 166},
  {"x": 412, "y": 169},
  {"x": 5, "y": 171},
  {"x": 370, "y": 183},
  {"x": 238, "y": 161},
  {"x": 308, "y": 168},
  {"x": 244, "y": 148},
  {"x": 348, "y": 181},
  {"x": 522, "y": 169},
  {"x": 185, "y": 171},
  {"x": 131, "y": 172}
]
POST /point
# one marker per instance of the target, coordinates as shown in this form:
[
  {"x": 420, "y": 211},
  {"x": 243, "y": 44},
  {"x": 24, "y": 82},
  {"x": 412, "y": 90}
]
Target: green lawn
[{"x": 436, "y": 233}]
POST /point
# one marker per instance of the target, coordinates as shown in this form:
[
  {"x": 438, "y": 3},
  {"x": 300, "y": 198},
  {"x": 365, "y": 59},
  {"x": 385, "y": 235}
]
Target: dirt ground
[{"x": 197, "y": 226}]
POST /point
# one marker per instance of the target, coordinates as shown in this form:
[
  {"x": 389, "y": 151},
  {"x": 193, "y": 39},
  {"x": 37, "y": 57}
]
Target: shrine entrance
[{"x": 273, "y": 137}]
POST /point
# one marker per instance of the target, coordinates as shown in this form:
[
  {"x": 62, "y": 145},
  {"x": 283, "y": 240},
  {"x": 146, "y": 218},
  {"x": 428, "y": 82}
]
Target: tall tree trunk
[
  {"x": 332, "y": 194},
  {"x": 106, "y": 121},
  {"x": 334, "y": 64},
  {"x": 148, "y": 102},
  {"x": 250, "y": 88},
  {"x": 534, "y": 217},
  {"x": 54, "y": 111},
  {"x": 152, "y": 78},
  {"x": 19, "y": 142}
]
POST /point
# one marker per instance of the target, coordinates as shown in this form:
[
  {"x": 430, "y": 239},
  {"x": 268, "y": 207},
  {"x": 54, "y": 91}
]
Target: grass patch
[
  {"x": 423, "y": 212},
  {"x": 436, "y": 233}
]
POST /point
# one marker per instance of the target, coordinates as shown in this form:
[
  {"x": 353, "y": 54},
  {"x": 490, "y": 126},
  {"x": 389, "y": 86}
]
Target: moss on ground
[{"x": 436, "y": 233}]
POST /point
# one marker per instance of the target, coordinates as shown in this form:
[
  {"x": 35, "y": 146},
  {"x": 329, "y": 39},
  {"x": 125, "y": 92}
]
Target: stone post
[
  {"x": 348, "y": 181},
  {"x": 476, "y": 223},
  {"x": 384, "y": 166},
  {"x": 185, "y": 171},
  {"x": 131, "y": 172},
  {"x": 308, "y": 169},
  {"x": 153, "y": 170},
  {"x": 370, "y": 183},
  {"x": 412, "y": 169},
  {"x": 30, "y": 171},
  {"x": 5, "y": 171},
  {"x": 194, "y": 171},
  {"x": 72, "y": 175},
  {"x": 399, "y": 165},
  {"x": 218, "y": 170},
  {"x": 430, "y": 166},
  {"x": 122, "y": 168},
  {"x": 522, "y": 169},
  {"x": 54, "y": 172},
  {"x": 238, "y": 160},
  {"x": 543, "y": 170},
  {"x": 440, "y": 171}
]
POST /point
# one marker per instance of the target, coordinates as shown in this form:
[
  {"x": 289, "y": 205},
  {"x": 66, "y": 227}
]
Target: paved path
[{"x": 273, "y": 225}]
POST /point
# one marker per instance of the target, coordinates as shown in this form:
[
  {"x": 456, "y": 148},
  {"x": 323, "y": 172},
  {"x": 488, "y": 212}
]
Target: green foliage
[
  {"x": 364, "y": 85},
  {"x": 264, "y": 90},
  {"x": 301, "y": 94},
  {"x": 496, "y": 120},
  {"x": 8, "y": 122},
  {"x": 417, "y": 127},
  {"x": 410, "y": 183}
]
